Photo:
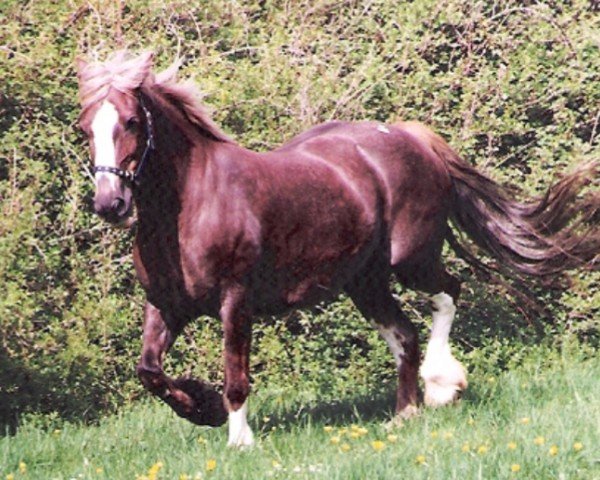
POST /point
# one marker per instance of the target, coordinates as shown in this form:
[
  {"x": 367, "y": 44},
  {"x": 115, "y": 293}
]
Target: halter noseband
[{"x": 128, "y": 175}]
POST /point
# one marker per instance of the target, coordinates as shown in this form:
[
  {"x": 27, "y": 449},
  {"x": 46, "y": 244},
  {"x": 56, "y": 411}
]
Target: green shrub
[{"x": 514, "y": 86}]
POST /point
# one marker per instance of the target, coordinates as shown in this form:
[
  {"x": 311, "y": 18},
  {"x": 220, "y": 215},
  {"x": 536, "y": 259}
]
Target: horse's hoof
[
  {"x": 445, "y": 380},
  {"x": 243, "y": 441},
  {"x": 406, "y": 413},
  {"x": 208, "y": 403},
  {"x": 240, "y": 433},
  {"x": 438, "y": 395}
]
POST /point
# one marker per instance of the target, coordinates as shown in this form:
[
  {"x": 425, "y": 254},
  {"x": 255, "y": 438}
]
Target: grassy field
[{"x": 540, "y": 420}]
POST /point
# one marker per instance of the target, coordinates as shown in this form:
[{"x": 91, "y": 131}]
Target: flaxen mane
[{"x": 126, "y": 74}]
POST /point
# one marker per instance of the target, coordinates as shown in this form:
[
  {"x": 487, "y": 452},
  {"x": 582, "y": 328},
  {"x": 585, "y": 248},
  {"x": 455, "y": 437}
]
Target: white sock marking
[
  {"x": 389, "y": 336},
  {"x": 240, "y": 433},
  {"x": 444, "y": 376},
  {"x": 103, "y": 127}
]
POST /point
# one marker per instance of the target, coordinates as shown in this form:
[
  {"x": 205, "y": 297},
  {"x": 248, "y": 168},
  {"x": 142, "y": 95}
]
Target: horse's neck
[
  {"x": 177, "y": 162},
  {"x": 184, "y": 164}
]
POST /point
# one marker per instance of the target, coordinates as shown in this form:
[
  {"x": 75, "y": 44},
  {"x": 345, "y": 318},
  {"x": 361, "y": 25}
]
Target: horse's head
[{"x": 118, "y": 126}]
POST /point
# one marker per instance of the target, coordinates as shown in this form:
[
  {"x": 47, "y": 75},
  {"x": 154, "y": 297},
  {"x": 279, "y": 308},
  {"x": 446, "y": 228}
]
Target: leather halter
[{"x": 133, "y": 176}]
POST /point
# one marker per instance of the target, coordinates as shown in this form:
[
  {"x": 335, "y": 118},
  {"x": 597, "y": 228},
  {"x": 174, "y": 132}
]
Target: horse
[{"x": 343, "y": 207}]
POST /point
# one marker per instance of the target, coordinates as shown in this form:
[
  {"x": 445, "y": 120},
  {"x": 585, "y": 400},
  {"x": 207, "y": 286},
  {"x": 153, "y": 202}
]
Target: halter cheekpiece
[{"x": 128, "y": 175}]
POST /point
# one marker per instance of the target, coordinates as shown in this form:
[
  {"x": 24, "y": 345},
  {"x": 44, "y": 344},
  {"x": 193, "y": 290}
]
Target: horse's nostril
[{"x": 118, "y": 204}]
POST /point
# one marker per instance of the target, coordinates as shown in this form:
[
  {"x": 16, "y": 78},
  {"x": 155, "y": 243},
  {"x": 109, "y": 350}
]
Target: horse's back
[{"x": 412, "y": 176}]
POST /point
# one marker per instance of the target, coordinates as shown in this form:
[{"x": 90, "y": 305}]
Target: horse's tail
[{"x": 543, "y": 236}]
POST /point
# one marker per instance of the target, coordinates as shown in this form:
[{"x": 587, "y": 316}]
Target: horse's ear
[
  {"x": 81, "y": 64},
  {"x": 143, "y": 72},
  {"x": 170, "y": 74},
  {"x": 147, "y": 59}
]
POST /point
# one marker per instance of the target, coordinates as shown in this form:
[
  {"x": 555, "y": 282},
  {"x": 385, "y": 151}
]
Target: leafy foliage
[{"x": 514, "y": 86}]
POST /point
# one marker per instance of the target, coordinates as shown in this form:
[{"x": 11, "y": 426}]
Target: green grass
[{"x": 556, "y": 392}]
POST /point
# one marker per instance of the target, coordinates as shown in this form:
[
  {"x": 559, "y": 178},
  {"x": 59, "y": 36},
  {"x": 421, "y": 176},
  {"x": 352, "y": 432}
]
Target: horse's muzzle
[
  {"x": 113, "y": 211},
  {"x": 114, "y": 207}
]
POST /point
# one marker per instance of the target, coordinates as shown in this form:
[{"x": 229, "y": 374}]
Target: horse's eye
[{"x": 131, "y": 124}]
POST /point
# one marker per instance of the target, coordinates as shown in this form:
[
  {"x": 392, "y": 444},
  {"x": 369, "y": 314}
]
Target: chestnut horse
[{"x": 344, "y": 207}]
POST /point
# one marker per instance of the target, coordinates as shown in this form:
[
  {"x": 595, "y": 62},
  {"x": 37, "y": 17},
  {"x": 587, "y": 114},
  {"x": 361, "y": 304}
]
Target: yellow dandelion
[
  {"x": 470, "y": 421},
  {"x": 377, "y": 445},
  {"x": 211, "y": 464},
  {"x": 362, "y": 430},
  {"x": 448, "y": 435},
  {"x": 539, "y": 440},
  {"x": 525, "y": 420},
  {"x": 482, "y": 449},
  {"x": 99, "y": 469},
  {"x": 328, "y": 429},
  {"x": 344, "y": 447},
  {"x": 577, "y": 446},
  {"x": 276, "y": 465},
  {"x": 511, "y": 445},
  {"x": 515, "y": 467},
  {"x": 202, "y": 440},
  {"x": 434, "y": 434},
  {"x": 56, "y": 432},
  {"x": 420, "y": 459},
  {"x": 553, "y": 451},
  {"x": 466, "y": 448},
  {"x": 10, "y": 476},
  {"x": 354, "y": 427},
  {"x": 491, "y": 380},
  {"x": 392, "y": 438},
  {"x": 22, "y": 467},
  {"x": 335, "y": 440},
  {"x": 184, "y": 476},
  {"x": 153, "y": 470},
  {"x": 354, "y": 434},
  {"x": 266, "y": 419},
  {"x": 342, "y": 431}
]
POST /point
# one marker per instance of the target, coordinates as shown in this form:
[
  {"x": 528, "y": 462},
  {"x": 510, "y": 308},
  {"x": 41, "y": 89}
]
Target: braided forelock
[{"x": 120, "y": 71}]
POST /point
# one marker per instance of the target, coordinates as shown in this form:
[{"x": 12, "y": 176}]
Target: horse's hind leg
[
  {"x": 375, "y": 301},
  {"x": 445, "y": 378},
  {"x": 190, "y": 399}
]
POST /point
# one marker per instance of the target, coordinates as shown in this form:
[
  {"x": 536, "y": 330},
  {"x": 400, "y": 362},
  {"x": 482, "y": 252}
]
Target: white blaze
[
  {"x": 240, "y": 434},
  {"x": 103, "y": 127}
]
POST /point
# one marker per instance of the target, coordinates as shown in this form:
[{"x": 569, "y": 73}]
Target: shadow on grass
[
  {"x": 377, "y": 407},
  {"x": 32, "y": 391}
]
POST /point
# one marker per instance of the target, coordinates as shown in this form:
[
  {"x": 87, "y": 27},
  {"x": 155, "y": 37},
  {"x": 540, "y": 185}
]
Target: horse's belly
[{"x": 283, "y": 298}]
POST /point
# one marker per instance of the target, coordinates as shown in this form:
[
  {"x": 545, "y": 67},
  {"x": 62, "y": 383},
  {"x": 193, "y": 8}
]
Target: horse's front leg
[
  {"x": 191, "y": 399},
  {"x": 237, "y": 330}
]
